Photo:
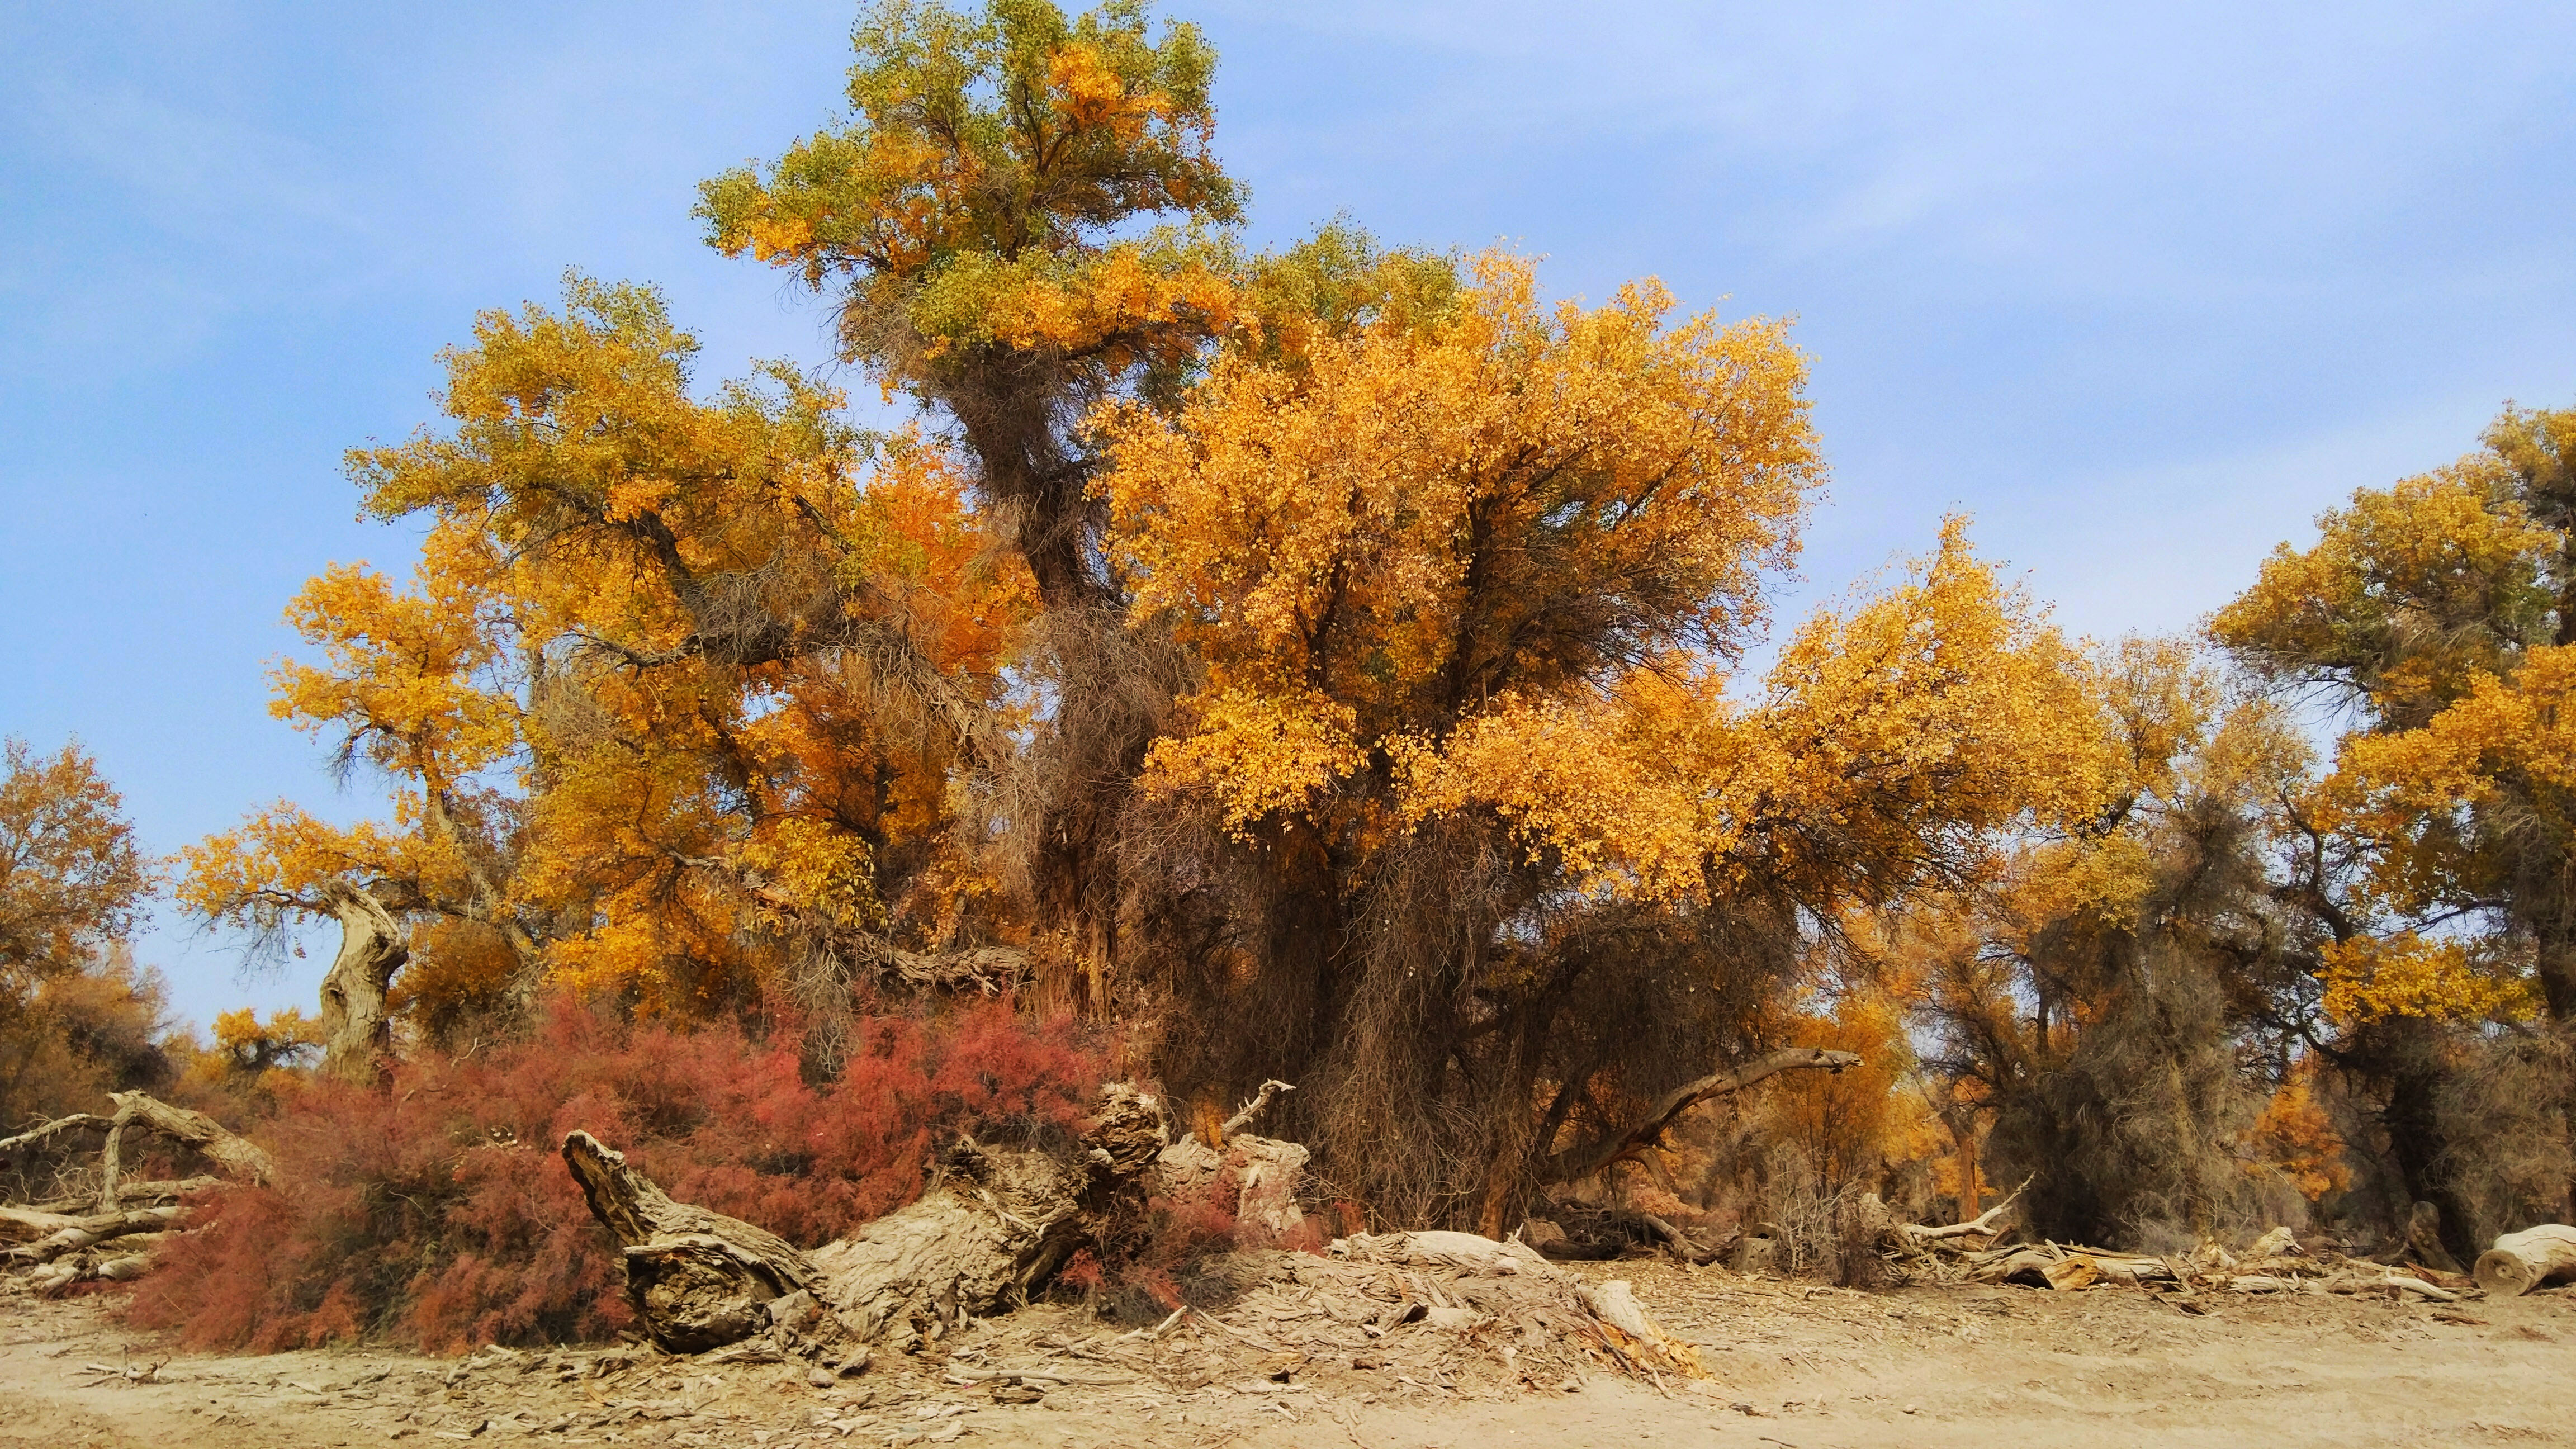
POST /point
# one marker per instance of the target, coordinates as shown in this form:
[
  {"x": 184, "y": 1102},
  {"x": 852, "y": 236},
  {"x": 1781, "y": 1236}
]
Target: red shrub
[{"x": 437, "y": 1211}]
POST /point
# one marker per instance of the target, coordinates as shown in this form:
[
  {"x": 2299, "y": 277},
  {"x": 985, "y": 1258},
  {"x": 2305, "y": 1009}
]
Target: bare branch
[
  {"x": 1244, "y": 1115},
  {"x": 1576, "y": 1163}
]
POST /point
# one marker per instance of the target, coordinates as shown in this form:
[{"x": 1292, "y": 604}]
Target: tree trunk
[
  {"x": 994, "y": 1229},
  {"x": 2520, "y": 1262},
  {"x": 2424, "y": 1239},
  {"x": 991, "y": 1231},
  {"x": 354, "y": 1033},
  {"x": 2405, "y": 1054},
  {"x": 698, "y": 1279}
]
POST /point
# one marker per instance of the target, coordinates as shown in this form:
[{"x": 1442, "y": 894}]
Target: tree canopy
[{"x": 1330, "y": 664}]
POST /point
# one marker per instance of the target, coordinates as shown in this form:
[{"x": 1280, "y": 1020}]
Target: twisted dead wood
[
  {"x": 698, "y": 1279},
  {"x": 993, "y": 1229},
  {"x": 1581, "y": 1162}
]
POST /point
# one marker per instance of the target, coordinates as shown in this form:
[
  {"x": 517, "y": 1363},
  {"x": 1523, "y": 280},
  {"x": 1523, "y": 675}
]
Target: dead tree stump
[
  {"x": 2424, "y": 1240},
  {"x": 698, "y": 1279},
  {"x": 2520, "y": 1262},
  {"x": 993, "y": 1229}
]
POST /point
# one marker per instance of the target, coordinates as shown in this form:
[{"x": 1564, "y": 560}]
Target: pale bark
[
  {"x": 698, "y": 1279},
  {"x": 1265, "y": 1174},
  {"x": 71, "y": 1235},
  {"x": 994, "y": 1228},
  {"x": 1251, "y": 1110},
  {"x": 355, "y": 1034},
  {"x": 77, "y": 1121},
  {"x": 2520, "y": 1262},
  {"x": 1987, "y": 1224},
  {"x": 1468, "y": 1282},
  {"x": 239, "y": 1158}
]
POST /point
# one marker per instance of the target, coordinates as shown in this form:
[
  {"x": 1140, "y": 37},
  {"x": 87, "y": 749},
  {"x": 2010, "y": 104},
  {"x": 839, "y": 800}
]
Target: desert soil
[{"x": 1795, "y": 1366}]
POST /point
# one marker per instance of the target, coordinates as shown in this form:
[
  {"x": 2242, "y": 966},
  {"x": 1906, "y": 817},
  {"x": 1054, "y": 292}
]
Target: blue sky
[{"x": 2140, "y": 288}]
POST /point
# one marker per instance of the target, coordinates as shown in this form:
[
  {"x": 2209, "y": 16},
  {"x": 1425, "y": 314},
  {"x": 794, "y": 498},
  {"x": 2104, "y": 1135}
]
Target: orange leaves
[
  {"x": 2406, "y": 593},
  {"x": 1496, "y": 553},
  {"x": 1089, "y": 95},
  {"x": 976, "y": 201},
  {"x": 2295, "y": 1135},
  {"x": 71, "y": 876},
  {"x": 1937, "y": 711},
  {"x": 403, "y": 680},
  {"x": 644, "y": 709},
  {"x": 280, "y": 859},
  {"x": 1888, "y": 742}
]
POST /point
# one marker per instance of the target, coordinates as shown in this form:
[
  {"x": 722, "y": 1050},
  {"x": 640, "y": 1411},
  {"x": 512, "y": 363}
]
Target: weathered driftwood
[
  {"x": 238, "y": 1157},
  {"x": 235, "y": 1156},
  {"x": 698, "y": 1279},
  {"x": 76, "y": 1122},
  {"x": 2065, "y": 1269},
  {"x": 1258, "y": 1103},
  {"x": 52, "y": 1234},
  {"x": 63, "y": 1237},
  {"x": 1464, "y": 1282},
  {"x": 993, "y": 1229},
  {"x": 1255, "y": 1176},
  {"x": 1988, "y": 1225},
  {"x": 2520, "y": 1262}
]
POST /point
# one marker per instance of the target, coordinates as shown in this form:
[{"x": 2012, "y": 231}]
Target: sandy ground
[{"x": 1795, "y": 1366}]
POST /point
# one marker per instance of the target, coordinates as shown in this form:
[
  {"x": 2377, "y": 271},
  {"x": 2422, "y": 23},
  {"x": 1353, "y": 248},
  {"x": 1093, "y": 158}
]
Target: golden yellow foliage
[
  {"x": 971, "y": 202},
  {"x": 2407, "y": 975},
  {"x": 2295, "y": 1136},
  {"x": 2406, "y": 594},
  {"x": 636, "y": 705},
  {"x": 72, "y": 878}
]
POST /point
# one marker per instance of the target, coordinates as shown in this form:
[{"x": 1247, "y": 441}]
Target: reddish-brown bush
[{"x": 436, "y": 1211}]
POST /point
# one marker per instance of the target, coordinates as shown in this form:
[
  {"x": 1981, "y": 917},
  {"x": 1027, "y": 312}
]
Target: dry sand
[{"x": 1794, "y": 1365}]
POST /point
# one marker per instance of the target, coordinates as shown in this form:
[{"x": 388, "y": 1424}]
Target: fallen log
[
  {"x": 239, "y": 1158},
  {"x": 1470, "y": 1282},
  {"x": 992, "y": 1230},
  {"x": 697, "y": 1279},
  {"x": 130, "y": 1194},
  {"x": 2520, "y": 1262},
  {"x": 77, "y": 1121},
  {"x": 1987, "y": 1224},
  {"x": 71, "y": 1235},
  {"x": 2066, "y": 1269},
  {"x": 235, "y": 1156}
]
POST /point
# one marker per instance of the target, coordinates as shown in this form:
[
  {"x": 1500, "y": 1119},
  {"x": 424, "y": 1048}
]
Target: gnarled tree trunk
[
  {"x": 698, "y": 1279},
  {"x": 993, "y": 1229},
  {"x": 354, "y": 1033}
]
